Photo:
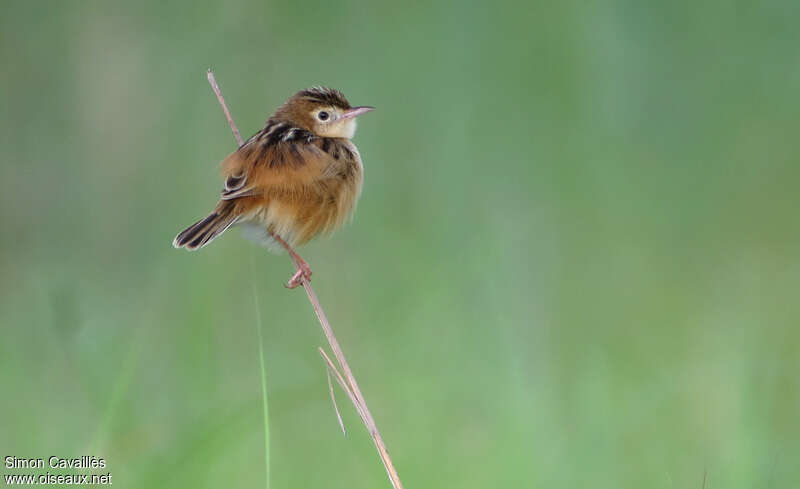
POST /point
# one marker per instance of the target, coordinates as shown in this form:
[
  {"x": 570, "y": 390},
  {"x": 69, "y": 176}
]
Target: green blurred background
[{"x": 575, "y": 262}]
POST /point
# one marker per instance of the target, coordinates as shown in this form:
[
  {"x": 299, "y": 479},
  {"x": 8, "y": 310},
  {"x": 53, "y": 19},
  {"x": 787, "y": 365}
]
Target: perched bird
[{"x": 298, "y": 177}]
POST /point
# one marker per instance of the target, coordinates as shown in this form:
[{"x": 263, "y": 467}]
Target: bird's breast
[{"x": 300, "y": 213}]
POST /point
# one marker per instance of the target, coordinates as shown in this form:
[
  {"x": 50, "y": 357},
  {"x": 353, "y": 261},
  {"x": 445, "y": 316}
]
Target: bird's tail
[{"x": 205, "y": 230}]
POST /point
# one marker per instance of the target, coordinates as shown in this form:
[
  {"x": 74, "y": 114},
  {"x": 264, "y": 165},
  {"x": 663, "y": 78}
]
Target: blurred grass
[
  {"x": 263, "y": 370},
  {"x": 575, "y": 262}
]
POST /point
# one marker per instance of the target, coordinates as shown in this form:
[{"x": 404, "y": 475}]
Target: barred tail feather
[{"x": 205, "y": 230}]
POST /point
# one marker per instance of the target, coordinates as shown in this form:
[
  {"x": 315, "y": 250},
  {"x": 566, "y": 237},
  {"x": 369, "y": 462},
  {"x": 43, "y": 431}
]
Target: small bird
[{"x": 297, "y": 178}]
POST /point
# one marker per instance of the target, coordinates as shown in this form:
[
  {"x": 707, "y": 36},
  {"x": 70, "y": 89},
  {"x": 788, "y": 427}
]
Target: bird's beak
[{"x": 356, "y": 111}]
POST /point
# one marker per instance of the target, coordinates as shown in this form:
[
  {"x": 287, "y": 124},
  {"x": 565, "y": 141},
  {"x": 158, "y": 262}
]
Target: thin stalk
[
  {"x": 354, "y": 391},
  {"x": 263, "y": 374}
]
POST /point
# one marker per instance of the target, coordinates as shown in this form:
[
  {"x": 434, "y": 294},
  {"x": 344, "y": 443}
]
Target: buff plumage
[{"x": 297, "y": 178}]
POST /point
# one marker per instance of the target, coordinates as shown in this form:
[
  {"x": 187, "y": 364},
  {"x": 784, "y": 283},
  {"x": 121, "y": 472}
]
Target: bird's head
[{"x": 323, "y": 111}]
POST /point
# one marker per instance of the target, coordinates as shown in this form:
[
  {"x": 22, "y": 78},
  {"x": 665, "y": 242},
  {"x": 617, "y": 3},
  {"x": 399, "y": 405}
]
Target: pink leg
[{"x": 303, "y": 270}]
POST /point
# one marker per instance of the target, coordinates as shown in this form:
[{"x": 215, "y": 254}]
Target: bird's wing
[
  {"x": 236, "y": 186},
  {"x": 277, "y": 157}
]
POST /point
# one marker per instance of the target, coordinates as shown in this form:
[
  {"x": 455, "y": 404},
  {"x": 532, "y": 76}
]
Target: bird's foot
[{"x": 303, "y": 273}]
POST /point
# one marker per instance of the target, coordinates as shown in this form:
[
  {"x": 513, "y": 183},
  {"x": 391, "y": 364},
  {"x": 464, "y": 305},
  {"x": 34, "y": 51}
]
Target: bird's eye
[{"x": 323, "y": 116}]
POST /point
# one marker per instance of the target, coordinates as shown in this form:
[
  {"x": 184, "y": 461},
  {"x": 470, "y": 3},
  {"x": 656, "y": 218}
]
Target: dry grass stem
[
  {"x": 221, "y": 99},
  {"x": 343, "y": 374},
  {"x": 333, "y": 400}
]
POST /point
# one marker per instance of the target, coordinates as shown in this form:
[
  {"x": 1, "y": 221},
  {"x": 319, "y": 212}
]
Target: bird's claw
[{"x": 302, "y": 274}]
